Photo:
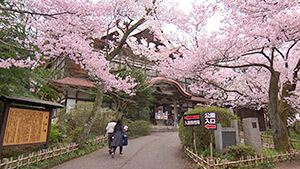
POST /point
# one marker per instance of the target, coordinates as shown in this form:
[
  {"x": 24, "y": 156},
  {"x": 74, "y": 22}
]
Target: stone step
[{"x": 155, "y": 128}]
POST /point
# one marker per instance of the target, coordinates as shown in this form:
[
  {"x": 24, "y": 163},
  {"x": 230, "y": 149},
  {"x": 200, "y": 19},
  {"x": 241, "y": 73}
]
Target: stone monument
[
  {"x": 252, "y": 134},
  {"x": 227, "y": 136}
]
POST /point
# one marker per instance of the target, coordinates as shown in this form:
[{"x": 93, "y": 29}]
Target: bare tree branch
[
  {"x": 240, "y": 66},
  {"x": 219, "y": 87},
  {"x": 35, "y": 13},
  {"x": 280, "y": 53},
  {"x": 117, "y": 50},
  {"x": 290, "y": 48}
]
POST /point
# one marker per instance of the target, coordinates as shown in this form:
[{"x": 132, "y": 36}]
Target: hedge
[{"x": 224, "y": 116}]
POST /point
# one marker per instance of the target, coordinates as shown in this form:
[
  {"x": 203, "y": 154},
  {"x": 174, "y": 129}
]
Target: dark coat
[{"x": 118, "y": 140}]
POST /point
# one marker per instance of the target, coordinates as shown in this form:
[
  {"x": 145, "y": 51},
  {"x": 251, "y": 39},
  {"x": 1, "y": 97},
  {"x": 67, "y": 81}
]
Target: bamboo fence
[
  {"x": 244, "y": 162},
  {"x": 268, "y": 142},
  {"x": 42, "y": 155},
  {"x": 247, "y": 162}
]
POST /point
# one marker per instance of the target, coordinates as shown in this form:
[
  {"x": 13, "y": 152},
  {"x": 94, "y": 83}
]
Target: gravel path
[{"x": 155, "y": 151}]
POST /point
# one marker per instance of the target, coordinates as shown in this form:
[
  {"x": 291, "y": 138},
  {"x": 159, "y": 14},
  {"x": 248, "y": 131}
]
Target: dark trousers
[
  {"x": 121, "y": 149},
  {"x": 109, "y": 139}
]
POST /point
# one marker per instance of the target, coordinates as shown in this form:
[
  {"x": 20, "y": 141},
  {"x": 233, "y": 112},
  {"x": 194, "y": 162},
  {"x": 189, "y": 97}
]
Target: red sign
[
  {"x": 192, "y": 117},
  {"x": 191, "y": 120},
  {"x": 210, "y": 126}
]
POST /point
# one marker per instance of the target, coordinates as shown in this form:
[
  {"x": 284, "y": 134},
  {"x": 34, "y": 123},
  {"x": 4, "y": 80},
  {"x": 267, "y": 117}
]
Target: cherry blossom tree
[
  {"x": 253, "y": 60},
  {"x": 71, "y": 29}
]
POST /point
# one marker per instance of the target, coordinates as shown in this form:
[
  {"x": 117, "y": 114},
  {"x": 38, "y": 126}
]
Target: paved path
[
  {"x": 156, "y": 151},
  {"x": 288, "y": 165}
]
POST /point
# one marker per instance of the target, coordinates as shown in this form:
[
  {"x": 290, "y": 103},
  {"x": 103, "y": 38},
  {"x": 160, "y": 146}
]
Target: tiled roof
[
  {"x": 172, "y": 82},
  {"x": 75, "y": 82},
  {"x": 180, "y": 89},
  {"x": 199, "y": 99}
]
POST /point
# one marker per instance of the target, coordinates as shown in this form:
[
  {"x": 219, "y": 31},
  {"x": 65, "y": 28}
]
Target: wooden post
[
  {"x": 175, "y": 114},
  {"x": 3, "y": 120},
  {"x": 5, "y": 160},
  {"x": 51, "y": 112},
  {"x": 194, "y": 141},
  {"x": 211, "y": 146},
  {"x": 256, "y": 164},
  {"x": 211, "y": 161},
  {"x": 18, "y": 161}
]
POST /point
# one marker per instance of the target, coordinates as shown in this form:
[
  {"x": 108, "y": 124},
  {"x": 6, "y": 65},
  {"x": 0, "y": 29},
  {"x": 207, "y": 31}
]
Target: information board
[{"x": 26, "y": 126}]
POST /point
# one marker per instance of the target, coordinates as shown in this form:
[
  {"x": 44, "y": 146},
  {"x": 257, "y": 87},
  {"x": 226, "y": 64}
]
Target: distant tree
[
  {"x": 20, "y": 81},
  {"x": 253, "y": 60}
]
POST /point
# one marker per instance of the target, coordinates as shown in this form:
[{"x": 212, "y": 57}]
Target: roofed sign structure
[{"x": 25, "y": 121}]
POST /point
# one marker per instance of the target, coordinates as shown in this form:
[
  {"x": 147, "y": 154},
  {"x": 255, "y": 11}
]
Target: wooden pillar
[
  {"x": 175, "y": 114},
  {"x": 51, "y": 113},
  {"x": 3, "y": 126}
]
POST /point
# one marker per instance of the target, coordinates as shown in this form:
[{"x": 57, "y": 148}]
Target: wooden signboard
[
  {"x": 25, "y": 121},
  {"x": 26, "y": 126}
]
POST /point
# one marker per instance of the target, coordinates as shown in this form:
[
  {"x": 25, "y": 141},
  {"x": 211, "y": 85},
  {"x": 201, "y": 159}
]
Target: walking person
[
  {"x": 117, "y": 138},
  {"x": 109, "y": 132}
]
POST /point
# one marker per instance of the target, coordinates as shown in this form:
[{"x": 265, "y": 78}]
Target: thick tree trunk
[
  {"x": 93, "y": 115},
  {"x": 284, "y": 107},
  {"x": 280, "y": 137}
]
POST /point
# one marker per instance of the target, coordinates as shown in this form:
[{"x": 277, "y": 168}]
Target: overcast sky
[{"x": 186, "y": 5}]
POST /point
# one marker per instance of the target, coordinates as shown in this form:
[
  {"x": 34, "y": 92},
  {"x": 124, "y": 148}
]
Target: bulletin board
[{"x": 26, "y": 126}]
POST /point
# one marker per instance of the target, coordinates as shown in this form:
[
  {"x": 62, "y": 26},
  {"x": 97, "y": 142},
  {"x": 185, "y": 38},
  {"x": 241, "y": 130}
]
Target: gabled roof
[
  {"x": 172, "y": 82},
  {"x": 187, "y": 95}
]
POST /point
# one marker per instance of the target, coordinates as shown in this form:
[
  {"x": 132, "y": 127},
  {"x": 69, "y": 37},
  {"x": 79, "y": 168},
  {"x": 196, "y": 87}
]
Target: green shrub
[
  {"x": 296, "y": 128},
  {"x": 206, "y": 152},
  {"x": 269, "y": 132},
  {"x": 138, "y": 128},
  {"x": 106, "y": 116},
  {"x": 76, "y": 119},
  {"x": 224, "y": 116},
  {"x": 56, "y": 135},
  {"x": 236, "y": 152}
]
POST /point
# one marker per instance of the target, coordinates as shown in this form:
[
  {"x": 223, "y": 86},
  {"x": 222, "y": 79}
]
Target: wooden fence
[
  {"x": 42, "y": 155},
  {"x": 267, "y": 141},
  {"x": 248, "y": 162}
]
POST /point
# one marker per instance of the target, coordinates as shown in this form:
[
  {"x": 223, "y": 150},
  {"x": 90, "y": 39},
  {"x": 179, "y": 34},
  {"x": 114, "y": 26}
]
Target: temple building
[
  {"x": 171, "y": 98},
  {"x": 171, "y": 101}
]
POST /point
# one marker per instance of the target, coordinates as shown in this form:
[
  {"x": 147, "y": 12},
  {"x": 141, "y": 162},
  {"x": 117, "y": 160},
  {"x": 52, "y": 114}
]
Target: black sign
[
  {"x": 191, "y": 120},
  {"x": 210, "y": 120}
]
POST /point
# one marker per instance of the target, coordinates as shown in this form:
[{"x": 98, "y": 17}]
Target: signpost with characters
[
  {"x": 210, "y": 123},
  {"x": 210, "y": 120},
  {"x": 192, "y": 120}
]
